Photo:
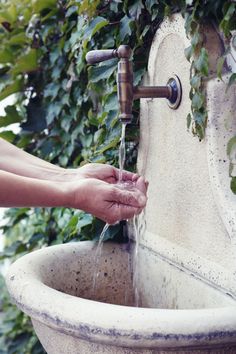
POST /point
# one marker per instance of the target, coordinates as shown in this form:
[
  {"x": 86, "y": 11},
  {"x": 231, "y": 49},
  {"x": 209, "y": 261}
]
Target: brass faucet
[{"x": 127, "y": 92}]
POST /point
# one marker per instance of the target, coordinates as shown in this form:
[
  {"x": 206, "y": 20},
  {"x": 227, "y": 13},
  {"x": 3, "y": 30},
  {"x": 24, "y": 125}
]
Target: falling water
[
  {"x": 135, "y": 261},
  {"x": 138, "y": 226},
  {"x": 97, "y": 257},
  {"x": 122, "y": 152}
]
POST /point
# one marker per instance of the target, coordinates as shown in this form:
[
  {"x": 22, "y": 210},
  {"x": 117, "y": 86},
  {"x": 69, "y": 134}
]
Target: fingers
[
  {"x": 127, "y": 212},
  {"x": 134, "y": 198},
  {"x": 130, "y": 176},
  {"x": 126, "y": 175},
  {"x": 121, "y": 212}
]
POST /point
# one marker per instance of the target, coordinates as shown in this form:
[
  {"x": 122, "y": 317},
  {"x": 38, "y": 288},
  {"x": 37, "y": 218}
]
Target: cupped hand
[
  {"x": 105, "y": 172},
  {"x": 107, "y": 201}
]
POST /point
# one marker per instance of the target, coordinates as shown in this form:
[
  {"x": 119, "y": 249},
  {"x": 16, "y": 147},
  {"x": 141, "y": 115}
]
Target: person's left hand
[{"x": 106, "y": 173}]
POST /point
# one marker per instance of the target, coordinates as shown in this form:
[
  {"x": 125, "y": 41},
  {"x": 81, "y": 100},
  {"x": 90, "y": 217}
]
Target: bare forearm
[
  {"x": 19, "y": 191},
  {"x": 106, "y": 201},
  {"x": 17, "y": 161}
]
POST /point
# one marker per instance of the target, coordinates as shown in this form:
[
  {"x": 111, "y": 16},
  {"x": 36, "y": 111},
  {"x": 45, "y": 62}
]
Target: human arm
[
  {"x": 17, "y": 161},
  {"x": 104, "y": 200}
]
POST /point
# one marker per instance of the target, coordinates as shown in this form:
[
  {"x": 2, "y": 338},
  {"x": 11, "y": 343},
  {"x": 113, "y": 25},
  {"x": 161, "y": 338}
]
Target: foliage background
[{"x": 68, "y": 112}]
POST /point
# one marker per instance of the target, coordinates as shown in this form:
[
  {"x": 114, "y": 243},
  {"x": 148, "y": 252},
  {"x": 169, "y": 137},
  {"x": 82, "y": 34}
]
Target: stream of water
[
  {"x": 138, "y": 227},
  {"x": 97, "y": 257},
  {"x": 122, "y": 152}
]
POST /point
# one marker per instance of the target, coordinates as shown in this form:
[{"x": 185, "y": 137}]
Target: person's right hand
[{"x": 107, "y": 201}]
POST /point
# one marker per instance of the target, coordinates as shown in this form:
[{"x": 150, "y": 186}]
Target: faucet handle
[{"x": 96, "y": 56}]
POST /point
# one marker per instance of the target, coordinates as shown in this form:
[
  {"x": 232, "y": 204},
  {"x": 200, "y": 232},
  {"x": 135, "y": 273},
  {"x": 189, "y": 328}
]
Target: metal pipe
[
  {"x": 152, "y": 92},
  {"x": 125, "y": 89}
]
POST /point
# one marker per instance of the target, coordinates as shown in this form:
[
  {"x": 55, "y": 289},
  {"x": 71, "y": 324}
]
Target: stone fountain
[{"x": 187, "y": 255}]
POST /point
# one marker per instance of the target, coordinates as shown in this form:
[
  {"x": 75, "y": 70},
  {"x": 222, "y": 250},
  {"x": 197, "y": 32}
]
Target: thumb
[{"x": 141, "y": 185}]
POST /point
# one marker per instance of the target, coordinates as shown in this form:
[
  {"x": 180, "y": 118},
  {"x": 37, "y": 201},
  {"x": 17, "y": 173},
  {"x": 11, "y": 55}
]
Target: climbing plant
[{"x": 67, "y": 111}]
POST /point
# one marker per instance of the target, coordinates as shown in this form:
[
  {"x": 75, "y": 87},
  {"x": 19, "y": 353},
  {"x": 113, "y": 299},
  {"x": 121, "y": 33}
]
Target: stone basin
[{"x": 54, "y": 286}]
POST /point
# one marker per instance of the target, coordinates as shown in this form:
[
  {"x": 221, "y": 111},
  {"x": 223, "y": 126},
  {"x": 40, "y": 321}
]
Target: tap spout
[{"x": 127, "y": 93}]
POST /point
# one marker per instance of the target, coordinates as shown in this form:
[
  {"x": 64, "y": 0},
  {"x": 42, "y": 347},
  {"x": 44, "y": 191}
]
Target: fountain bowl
[{"x": 54, "y": 286}]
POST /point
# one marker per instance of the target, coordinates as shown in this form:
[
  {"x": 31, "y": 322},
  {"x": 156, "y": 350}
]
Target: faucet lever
[{"x": 96, "y": 56}]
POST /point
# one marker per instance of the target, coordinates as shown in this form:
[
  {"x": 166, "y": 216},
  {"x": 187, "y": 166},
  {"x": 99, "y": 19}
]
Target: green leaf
[
  {"x": 88, "y": 7},
  {"x": 201, "y": 63},
  {"x": 111, "y": 118},
  {"x": 200, "y": 118},
  {"x": 6, "y": 56},
  {"x": 138, "y": 76},
  {"x": 26, "y": 63},
  {"x": 233, "y": 185},
  {"x": 51, "y": 90},
  {"x": 11, "y": 117},
  {"x": 232, "y": 80},
  {"x": 9, "y": 14},
  {"x": 101, "y": 72},
  {"x": 230, "y": 12},
  {"x": 220, "y": 64},
  {"x": 8, "y": 135},
  {"x": 36, "y": 237},
  {"x": 231, "y": 148},
  {"x": 111, "y": 103},
  {"x": 197, "y": 100},
  {"x": 16, "y": 86},
  {"x": 149, "y": 4},
  {"x": 84, "y": 220},
  {"x": 135, "y": 9},
  {"x": 73, "y": 221},
  {"x": 125, "y": 27},
  {"x": 54, "y": 110},
  {"x": 40, "y": 5},
  {"x": 18, "y": 39},
  {"x": 111, "y": 142},
  {"x": 195, "y": 82},
  {"x": 189, "y": 120},
  {"x": 196, "y": 38},
  {"x": 94, "y": 26},
  {"x": 228, "y": 21},
  {"x": 167, "y": 11},
  {"x": 188, "y": 52}
]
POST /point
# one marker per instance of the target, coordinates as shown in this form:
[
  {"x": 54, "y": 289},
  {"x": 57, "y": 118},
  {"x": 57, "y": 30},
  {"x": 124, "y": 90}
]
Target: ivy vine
[{"x": 68, "y": 112}]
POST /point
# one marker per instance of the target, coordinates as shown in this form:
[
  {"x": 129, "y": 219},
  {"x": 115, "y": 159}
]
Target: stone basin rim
[{"x": 143, "y": 327}]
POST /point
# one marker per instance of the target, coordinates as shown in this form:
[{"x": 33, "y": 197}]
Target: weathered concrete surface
[
  {"x": 55, "y": 287},
  {"x": 191, "y": 212}
]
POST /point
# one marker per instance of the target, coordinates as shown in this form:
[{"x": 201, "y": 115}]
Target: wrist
[
  {"x": 74, "y": 192},
  {"x": 58, "y": 174}
]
